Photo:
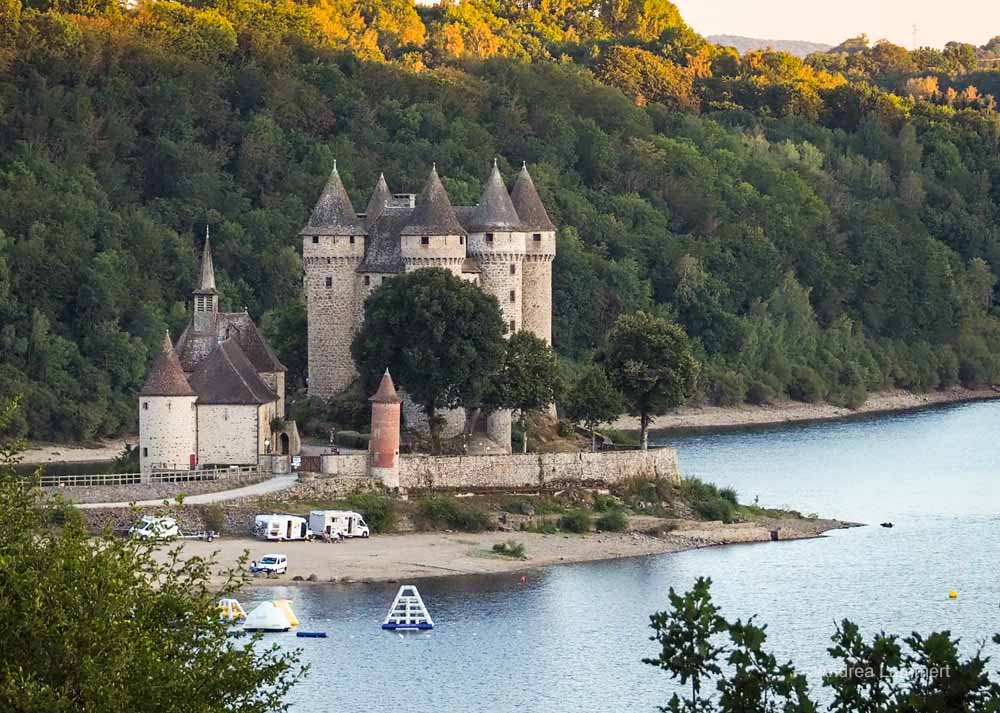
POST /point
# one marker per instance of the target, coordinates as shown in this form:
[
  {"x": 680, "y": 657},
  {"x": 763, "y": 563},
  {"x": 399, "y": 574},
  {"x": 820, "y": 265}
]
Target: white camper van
[
  {"x": 345, "y": 523},
  {"x": 281, "y": 527},
  {"x": 149, "y": 527}
]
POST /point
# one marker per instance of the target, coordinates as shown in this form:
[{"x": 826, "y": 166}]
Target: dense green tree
[
  {"x": 649, "y": 360},
  {"x": 592, "y": 400},
  {"x": 527, "y": 380},
  {"x": 440, "y": 337},
  {"x": 110, "y": 624}
]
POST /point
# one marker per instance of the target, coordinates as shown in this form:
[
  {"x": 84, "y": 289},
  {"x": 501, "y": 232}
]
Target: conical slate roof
[
  {"x": 206, "y": 278},
  {"x": 166, "y": 377},
  {"x": 333, "y": 214},
  {"x": 528, "y": 205},
  {"x": 379, "y": 200},
  {"x": 386, "y": 393},
  {"x": 495, "y": 210},
  {"x": 433, "y": 214}
]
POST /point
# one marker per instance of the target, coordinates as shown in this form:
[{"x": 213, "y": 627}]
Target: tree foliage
[
  {"x": 527, "y": 380},
  {"x": 111, "y": 624},
  {"x": 592, "y": 400}
]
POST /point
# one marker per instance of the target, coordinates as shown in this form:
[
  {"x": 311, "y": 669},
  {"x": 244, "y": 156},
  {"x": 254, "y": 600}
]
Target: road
[{"x": 280, "y": 482}]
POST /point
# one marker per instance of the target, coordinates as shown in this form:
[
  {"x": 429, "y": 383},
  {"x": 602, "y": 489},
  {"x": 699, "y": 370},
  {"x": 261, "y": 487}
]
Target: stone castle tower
[{"x": 505, "y": 244}]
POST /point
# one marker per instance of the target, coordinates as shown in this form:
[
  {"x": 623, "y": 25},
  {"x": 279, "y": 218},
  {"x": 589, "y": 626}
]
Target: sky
[{"x": 938, "y": 22}]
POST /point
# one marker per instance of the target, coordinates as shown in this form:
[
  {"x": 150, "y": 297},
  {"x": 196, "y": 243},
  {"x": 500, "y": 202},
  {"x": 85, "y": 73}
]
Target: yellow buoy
[{"x": 952, "y": 594}]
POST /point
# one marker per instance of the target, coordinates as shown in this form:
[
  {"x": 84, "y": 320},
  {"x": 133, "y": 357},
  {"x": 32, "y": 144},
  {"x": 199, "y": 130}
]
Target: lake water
[{"x": 570, "y": 638}]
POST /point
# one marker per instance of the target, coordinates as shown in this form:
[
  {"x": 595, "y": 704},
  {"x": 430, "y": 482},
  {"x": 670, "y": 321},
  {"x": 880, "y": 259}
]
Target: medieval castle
[
  {"x": 217, "y": 396},
  {"x": 505, "y": 244}
]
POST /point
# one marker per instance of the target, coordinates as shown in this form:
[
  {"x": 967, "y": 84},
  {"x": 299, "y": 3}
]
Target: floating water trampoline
[{"x": 408, "y": 612}]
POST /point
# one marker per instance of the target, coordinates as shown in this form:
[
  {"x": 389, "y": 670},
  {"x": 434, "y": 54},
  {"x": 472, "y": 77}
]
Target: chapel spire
[{"x": 206, "y": 278}]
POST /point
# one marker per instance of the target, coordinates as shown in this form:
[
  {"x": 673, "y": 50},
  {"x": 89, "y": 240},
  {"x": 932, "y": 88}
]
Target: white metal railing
[{"x": 232, "y": 473}]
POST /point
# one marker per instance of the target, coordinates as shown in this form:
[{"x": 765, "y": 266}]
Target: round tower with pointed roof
[
  {"x": 333, "y": 246},
  {"x": 432, "y": 236},
  {"x": 168, "y": 421},
  {"x": 540, "y": 251},
  {"x": 383, "y": 448}
]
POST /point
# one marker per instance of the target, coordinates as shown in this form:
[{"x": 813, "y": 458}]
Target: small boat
[
  {"x": 408, "y": 611},
  {"x": 886, "y": 524}
]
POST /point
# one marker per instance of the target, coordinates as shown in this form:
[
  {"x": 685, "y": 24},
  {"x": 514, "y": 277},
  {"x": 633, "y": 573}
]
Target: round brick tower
[
  {"x": 539, "y": 252},
  {"x": 333, "y": 245},
  {"x": 383, "y": 448}
]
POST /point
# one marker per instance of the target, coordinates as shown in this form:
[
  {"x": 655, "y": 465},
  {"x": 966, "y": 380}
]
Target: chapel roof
[
  {"x": 226, "y": 376},
  {"x": 206, "y": 277},
  {"x": 193, "y": 346}
]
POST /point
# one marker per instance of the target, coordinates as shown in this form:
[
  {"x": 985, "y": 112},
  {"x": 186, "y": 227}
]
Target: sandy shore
[
  {"x": 408, "y": 556},
  {"x": 37, "y": 454},
  {"x": 698, "y": 417}
]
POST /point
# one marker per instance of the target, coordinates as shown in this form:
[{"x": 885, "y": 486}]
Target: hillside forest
[{"x": 820, "y": 227}]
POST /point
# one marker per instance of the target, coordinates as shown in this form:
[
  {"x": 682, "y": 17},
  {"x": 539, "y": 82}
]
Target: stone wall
[
  {"x": 227, "y": 434},
  {"x": 353, "y": 465},
  {"x": 535, "y": 470},
  {"x": 537, "y": 309},
  {"x": 167, "y": 432}
]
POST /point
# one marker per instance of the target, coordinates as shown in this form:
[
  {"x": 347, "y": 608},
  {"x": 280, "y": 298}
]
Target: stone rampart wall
[{"x": 535, "y": 470}]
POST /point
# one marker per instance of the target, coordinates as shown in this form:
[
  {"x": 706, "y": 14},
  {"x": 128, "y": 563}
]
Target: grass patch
[
  {"x": 614, "y": 521},
  {"x": 707, "y": 501},
  {"x": 445, "y": 512},
  {"x": 511, "y": 548},
  {"x": 578, "y": 521},
  {"x": 620, "y": 438},
  {"x": 606, "y": 503},
  {"x": 544, "y": 527},
  {"x": 532, "y": 506}
]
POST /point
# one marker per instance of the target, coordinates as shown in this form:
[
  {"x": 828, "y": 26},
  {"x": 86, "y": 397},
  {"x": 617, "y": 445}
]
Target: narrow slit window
[
  {"x": 513, "y": 296},
  {"x": 513, "y": 327},
  {"x": 315, "y": 240},
  {"x": 329, "y": 282},
  {"x": 145, "y": 453},
  {"x": 352, "y": 240},
  {"x": 368, "y": 280},
  {"x": 513, "y": 269}
]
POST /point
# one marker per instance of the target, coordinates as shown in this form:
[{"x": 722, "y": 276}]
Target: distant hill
[{"x": 747, "y": 44}]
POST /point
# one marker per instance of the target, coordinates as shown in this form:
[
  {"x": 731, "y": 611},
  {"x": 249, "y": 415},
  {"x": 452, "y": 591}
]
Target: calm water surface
[{"x": 571, "y": 637}]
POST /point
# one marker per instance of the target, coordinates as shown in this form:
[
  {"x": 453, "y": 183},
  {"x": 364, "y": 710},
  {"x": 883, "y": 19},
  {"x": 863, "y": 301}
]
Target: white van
[
  {"x": 281, "y": 527},
  {"x": 345, "y": 523},
  {"x": 149, "y": 527},
  {"x": 271, "y": 564}
]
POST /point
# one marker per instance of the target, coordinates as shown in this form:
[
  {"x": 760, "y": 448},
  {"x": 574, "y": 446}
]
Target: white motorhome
[
  {"x": 149, "y": 527},
  {"x": 345, "y": 523},
  {"x": 281, "y": 527}
]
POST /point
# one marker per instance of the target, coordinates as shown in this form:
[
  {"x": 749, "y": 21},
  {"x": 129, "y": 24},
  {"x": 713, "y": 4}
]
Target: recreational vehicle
[
  {"x": 150, "y": 527},
  {"x": 281, "y": 527},
  {"x": 345, "y": 523}
]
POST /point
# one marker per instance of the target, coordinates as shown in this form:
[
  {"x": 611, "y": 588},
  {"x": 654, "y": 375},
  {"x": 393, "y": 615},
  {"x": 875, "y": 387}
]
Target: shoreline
[
  {"x": 721, "y": 418},
  {"x": 392, "y": 558}
]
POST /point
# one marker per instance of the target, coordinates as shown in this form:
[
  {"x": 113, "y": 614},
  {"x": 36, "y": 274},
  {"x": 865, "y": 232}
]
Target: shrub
[
  {"x": 605, "y": 503},
  {"x": 378, "y": 510},
  {"x": 620, "y": 438},
  {"x": 761, "y": 393},
  {"x": 707, "y": 501},
  {"x": 566, "y": 429},
  {"x": 578, "y": 521},
  {"x": 510, "y": 548},
  {"x": 614, "y": 521},
  {"x": 444, "y": 511},
  {"x": 353, "y": 439},
  {"x": 725, "y": 387},
  {"x": 213, "y": 517},
  {"x": 806, "y": 385},
  {"x": 545, "y": 527},
  {"x": 729, "y": 494}
]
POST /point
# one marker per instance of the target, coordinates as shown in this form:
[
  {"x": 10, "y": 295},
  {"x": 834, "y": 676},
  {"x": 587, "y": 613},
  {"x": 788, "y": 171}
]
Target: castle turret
[
  {"x": 206, "y": 297},
  {"x": 540, "y": 251},
  {"x": 497, "y": 244},
  {"x": 379, "y": 200},
  {"x": 383, "y": 448},
  {"x": 333, "y": 245},
  {"x": 433, "y": 237},
  {"x": 168, "y": 421}
]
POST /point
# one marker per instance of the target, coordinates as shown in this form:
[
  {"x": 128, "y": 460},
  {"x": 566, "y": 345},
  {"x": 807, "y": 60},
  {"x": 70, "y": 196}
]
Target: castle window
[
  {"x": 329, "y": 282},
  {"x": 424, "y": 240},
  {"x": 368, "y": 280},
  {"x": 513, "y": 296},
  {"x": 315, "y": 240},
  {"x": 145, "y": 453},
  {"x": 537, "y": 237},
  {"x": 513, "y": 326},
  {"x": 513, "y": 269},
  {"x": 145, "y": 406},
  {"x": 461, "y": 240},
  {"x": 489, "y": 237},
  {"x": 352, "y": 240}
]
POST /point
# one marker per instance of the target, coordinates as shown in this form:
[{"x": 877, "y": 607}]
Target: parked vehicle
[
  {"x": 271, "y": 564},
  {"x": 345, "y": 523},
  {"x": 281, "y": 527},
  {"x": 150, "y": 527}
]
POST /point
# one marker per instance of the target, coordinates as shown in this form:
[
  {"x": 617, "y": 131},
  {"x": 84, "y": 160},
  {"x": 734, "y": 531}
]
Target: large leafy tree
[
  {"x": 441, "y": 338},
  {"x": 649, "y": 360},
  {"x": 528, "y": 379},
  {"x": 112, "y": 625},
  {"x": 593, "y": 400}
]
